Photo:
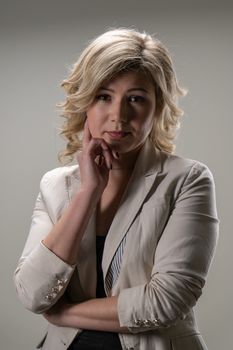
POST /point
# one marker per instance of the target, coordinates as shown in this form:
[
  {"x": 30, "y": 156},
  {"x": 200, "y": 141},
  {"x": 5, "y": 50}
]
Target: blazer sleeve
[
  {"x": 41, "y": 277},
  {"x": 181, "y": 262}
]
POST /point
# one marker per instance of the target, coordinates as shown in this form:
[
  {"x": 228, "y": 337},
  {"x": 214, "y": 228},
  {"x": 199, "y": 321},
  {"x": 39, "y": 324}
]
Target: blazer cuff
[
  {"x": 56, "y": 258},
  {"x": 42, "y": 279},
  {"x": 129, "y": 316}
]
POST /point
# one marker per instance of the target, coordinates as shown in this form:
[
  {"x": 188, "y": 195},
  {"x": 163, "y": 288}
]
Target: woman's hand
[{"x": 95, "y": 161}]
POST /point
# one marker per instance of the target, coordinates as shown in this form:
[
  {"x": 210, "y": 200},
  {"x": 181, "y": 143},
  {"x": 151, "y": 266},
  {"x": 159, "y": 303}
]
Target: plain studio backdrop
[{"x": 39, "y": 42}]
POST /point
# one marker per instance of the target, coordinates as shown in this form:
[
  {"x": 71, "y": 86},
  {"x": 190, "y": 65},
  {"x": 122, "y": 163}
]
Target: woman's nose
[{"x": 119, "y": 112}]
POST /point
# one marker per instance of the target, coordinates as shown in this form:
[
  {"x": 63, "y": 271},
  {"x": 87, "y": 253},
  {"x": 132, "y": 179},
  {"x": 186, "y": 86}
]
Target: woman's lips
[{"x": 117, "y": 135}]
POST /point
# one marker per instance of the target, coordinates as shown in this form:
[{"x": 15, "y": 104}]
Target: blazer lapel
[{"x": 142, "y": 179}]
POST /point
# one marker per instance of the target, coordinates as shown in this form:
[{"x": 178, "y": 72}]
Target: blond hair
[{"x": 112, "y": 53}]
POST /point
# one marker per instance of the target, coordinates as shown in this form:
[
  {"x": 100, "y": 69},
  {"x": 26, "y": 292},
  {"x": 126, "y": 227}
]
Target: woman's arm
[
  {"x": 181, "y": 262},
  {"x": 45, "y": 268},
  {"x": 95, "y": 314},
  {"x": 65, "y": 237}
]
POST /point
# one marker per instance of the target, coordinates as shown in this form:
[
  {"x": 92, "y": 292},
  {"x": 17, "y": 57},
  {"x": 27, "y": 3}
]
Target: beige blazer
[{"x": 169, "y": 221}]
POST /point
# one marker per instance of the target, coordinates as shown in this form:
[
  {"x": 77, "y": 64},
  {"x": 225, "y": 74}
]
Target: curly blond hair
[{"x": 108, "y": 55}]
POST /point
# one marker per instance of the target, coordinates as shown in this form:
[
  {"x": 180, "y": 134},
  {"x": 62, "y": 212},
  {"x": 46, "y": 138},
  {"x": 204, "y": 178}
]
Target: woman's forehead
[{"x": 129, "y": 78}]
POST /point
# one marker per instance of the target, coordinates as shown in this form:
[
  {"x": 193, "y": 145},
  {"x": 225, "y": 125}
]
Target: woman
[{"x": 120, "y": 245}]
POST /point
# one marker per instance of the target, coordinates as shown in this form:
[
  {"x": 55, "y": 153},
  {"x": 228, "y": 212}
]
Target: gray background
[{"x": 39, "y": 41}]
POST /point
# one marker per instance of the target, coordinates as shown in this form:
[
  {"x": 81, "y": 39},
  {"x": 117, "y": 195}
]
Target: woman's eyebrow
[
  {"x": 104, "y": 88},
  {"x": 132, "y": 89},
  {"x": 139, "y": 89}
]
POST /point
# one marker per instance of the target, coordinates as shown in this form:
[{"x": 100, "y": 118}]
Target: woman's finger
[
  {"x": 107, "y": 154},
  {"x": 115, "y": 154},
  {"x": 86, "y": 134},
  {"x": 99, "y": 148}
]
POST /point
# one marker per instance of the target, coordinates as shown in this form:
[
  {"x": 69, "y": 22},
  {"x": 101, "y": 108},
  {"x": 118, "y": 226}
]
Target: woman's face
[{"x": 123, "y": 112}]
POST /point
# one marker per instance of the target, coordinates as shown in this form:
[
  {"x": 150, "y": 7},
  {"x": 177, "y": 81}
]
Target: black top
[
  {"x": 97, "y": 340},
  {"x": 100, "y": 241}
]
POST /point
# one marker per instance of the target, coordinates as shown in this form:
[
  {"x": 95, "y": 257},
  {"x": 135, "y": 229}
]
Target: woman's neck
[{"x": 125, "y": 163}]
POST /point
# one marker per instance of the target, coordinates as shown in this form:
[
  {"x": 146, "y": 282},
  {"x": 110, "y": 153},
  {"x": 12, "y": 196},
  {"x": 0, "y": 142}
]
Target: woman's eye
[
  {"x": 136, "y": 98},
  {"x": 103, "y": 97}
]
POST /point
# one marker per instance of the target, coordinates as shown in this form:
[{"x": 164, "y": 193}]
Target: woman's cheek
[{"x": 94, "y": 128}]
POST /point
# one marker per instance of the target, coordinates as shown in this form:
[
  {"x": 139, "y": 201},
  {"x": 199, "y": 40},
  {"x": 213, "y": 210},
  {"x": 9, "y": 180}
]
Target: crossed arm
[{"x": 95, "y": 314}]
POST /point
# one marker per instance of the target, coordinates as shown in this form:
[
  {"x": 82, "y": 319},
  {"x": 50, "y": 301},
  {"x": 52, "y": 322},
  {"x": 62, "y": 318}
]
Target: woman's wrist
[{"x": 91, "y": 193}]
